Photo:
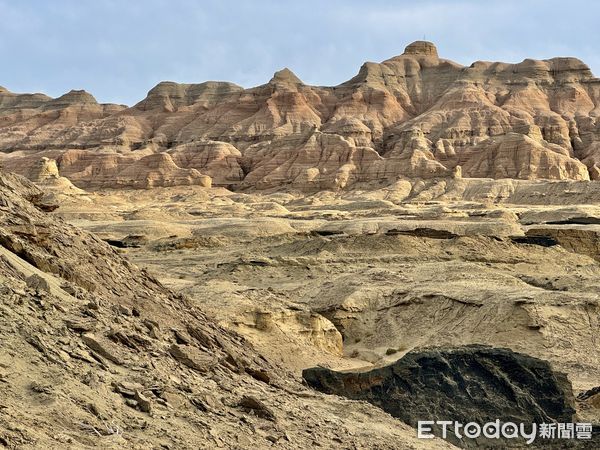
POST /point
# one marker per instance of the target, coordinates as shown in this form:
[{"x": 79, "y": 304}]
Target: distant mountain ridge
[{"x": 412, "y": 116}]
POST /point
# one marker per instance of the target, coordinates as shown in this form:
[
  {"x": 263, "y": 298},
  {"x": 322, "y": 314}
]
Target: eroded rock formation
[{"x": 414, "y": 115}]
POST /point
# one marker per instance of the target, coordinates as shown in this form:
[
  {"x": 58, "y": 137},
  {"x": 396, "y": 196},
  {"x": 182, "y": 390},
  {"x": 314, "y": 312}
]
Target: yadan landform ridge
[{"x": 412, "y": 116}]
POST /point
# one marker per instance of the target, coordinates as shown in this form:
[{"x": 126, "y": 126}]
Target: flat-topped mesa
[
  {"x": 73, "y": 97},
  {"x": 192, "y": 91},
  {"x": 10, "y": 100},
  {"x": 422, "y": 48},
  {"x": 170, "y": 96},
  {"x": 570, "y": 69}
]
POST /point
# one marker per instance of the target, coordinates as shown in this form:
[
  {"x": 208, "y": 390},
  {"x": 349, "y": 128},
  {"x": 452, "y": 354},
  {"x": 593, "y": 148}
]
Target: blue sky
[{"x": 118, "y": 50}]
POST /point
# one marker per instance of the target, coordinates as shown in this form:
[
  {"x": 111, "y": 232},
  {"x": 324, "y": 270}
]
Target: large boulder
[{"x": 472, "y": 383}]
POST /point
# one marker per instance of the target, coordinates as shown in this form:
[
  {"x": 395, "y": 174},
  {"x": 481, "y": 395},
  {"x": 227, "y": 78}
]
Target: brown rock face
[
  {"x": 516, "y": 155},
  {"x": 414, "y": 115},
  {"x": 421, "y": 48}
]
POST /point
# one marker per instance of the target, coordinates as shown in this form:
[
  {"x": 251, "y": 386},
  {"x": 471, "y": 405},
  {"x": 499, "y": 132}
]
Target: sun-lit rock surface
[{"x": 412, "y": 116}]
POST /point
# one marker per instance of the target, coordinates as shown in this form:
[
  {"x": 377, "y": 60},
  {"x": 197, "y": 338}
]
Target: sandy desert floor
[{"x": 358, "y": 279}]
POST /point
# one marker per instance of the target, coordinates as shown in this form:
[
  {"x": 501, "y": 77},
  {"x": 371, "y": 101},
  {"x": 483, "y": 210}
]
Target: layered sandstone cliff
[{"x": 415, "y": 115}]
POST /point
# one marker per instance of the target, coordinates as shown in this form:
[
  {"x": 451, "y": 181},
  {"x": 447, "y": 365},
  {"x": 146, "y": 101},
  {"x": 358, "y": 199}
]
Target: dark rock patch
[
  {"x": 577, "y": 221},
  {"x": 131, "y": 241},
  {"x": 423, "y": 232},
  {"x": 327, "y": 233},
  {"x": 576, "y": 240},
  {"x": 543, "y": 241},
  {"x": 472, "y": 383}
]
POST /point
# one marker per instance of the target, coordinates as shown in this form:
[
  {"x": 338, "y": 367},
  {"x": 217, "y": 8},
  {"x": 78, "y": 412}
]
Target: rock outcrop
[
  {"x": 415, "y": 115},
  {"x": 45, "y": 170},
  {"x": 465, "y": 384}
]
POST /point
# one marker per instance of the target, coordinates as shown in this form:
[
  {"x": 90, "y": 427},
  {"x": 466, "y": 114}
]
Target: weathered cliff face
[{"x": 414, "y": 115}]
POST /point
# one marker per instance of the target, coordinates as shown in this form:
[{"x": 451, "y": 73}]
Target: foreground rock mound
[
  {"x": 96, "y": 353},
  {"x": 466, "y": 384},
  {"x": 414, "y": 115}
]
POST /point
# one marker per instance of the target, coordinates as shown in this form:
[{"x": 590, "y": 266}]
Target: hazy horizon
[{"x": 118, "y": 52}]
